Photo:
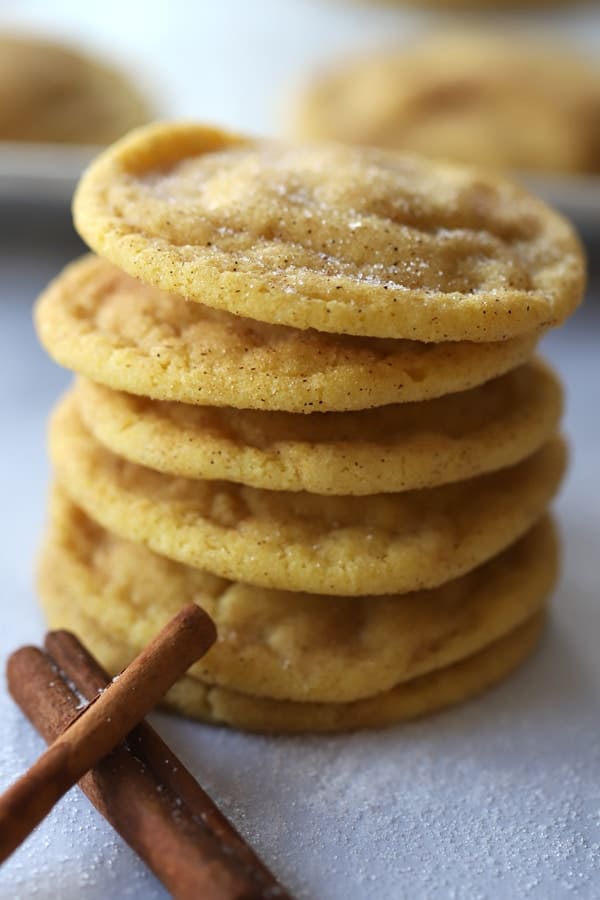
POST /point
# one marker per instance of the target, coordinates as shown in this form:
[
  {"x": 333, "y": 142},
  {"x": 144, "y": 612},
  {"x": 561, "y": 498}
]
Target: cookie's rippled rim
[
  {"x": 380, "y": 544},
  {"x": 293, "y": 646},
  {"x": 102, "y": 323},
  {"x": 409, "y": 700},
  {"x": 392, "y": 448}
]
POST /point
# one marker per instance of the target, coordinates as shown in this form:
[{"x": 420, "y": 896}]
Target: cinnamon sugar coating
[{"x": 342, "y": 239}]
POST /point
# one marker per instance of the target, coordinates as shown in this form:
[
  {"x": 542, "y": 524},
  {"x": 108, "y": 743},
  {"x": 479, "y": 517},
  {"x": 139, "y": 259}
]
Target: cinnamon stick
[
  {"x": 88, "y": 677},
  {"x": 103, "y": 724},
  {"x": 175, "y": 844}
]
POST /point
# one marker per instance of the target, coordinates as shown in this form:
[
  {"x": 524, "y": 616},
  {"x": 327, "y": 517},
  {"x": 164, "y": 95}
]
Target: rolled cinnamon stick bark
[
  {"x": 86, "y": 674},
  {"x": 103, "y": 724},
  {"x": 181, "y": 852}
]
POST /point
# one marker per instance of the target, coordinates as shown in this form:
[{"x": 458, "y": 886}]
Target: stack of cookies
[{"x": 307, "y": 401}]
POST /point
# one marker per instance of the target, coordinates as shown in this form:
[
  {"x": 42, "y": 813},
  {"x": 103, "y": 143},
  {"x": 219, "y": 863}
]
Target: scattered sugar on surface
[
  {"x": 488, "y": 801},
  {"x": 74, "y": 853}
]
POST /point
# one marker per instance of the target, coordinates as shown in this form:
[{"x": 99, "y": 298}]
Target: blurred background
[
  {"x": 234, "y": 61},
  {"x": 300, "y": 67}
]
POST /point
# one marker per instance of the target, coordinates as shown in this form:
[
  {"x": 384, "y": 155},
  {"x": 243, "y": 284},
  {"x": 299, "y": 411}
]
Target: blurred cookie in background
[
  {"x": 484, "y": 4},
  {"x": 50, "y": 92},
  {"x": 472, "y": 97}
]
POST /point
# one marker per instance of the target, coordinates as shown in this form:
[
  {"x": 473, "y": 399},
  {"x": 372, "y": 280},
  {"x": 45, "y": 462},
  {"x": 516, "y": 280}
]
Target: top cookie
[
  {"x": 472, "y": 97},
  {"x": 342, "y": 239},
  {"x": 50, "y": 92}
]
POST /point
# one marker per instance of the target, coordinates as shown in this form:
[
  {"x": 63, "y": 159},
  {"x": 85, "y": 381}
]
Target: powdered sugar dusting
[{"x": 475, "y": 803}]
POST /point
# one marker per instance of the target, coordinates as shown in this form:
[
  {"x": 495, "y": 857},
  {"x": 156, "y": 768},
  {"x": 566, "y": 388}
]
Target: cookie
[
  {"x": 471, "y": 97},
  {"x": 385, "y": 543},
  {"x": 392, "y": 448},
  {"x": 409, "y": 700},
  {"x": 475, "y": 5},
  {"x": 102, "y": 323},
  {"x": 343, "y": 239},
  {"x": 294, "y": 646},
  {"x": 53, "y": 93}
]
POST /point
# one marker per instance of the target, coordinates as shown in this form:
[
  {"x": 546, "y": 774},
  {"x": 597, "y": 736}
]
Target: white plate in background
[
  {"x": 41, "y": 174},
  {"x": 576, "y": 196}
]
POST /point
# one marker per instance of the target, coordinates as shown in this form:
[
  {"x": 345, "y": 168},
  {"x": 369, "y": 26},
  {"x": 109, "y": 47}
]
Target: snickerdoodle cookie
[
  {"x": 409, "y": 700},
  {"x": 379, "y": 544},
  {"x": 493, "y": 100},
  {"x": 50, "y": 92},
  {"x": 293, "y": 646},
  {"x": 391, "y": 448},
  {"x": 343, "y": 239},
  {"x": 117, "y": 331}
]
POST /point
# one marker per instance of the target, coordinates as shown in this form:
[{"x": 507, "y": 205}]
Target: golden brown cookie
[
  {"x": 293, "y": 646},
  {"x": 479, "y": 5},
  {"x": 478, "y": 98},
  {"x": 385, "y": 543},
  {"x": 392, "y": 448},
  {"x": 409, "y": 700},
  {"x": 54, "y": 93},
  {"x": 102, "y": 323},
  {"x": 339, "y": 238}
]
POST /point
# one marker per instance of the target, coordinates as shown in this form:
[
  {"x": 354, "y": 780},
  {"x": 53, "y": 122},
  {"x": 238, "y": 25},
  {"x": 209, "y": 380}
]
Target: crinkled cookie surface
[{"x": 343, "y": 239}]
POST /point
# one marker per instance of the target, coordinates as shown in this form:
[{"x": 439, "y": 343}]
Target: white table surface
[{"x": 496, "y": 799}]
